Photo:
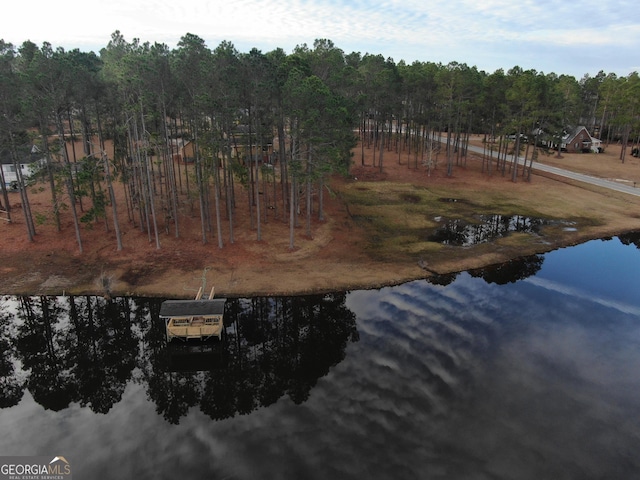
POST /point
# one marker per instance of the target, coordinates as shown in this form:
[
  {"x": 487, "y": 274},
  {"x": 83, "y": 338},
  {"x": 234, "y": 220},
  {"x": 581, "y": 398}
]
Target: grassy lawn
[{"x": 397, "y": 216}]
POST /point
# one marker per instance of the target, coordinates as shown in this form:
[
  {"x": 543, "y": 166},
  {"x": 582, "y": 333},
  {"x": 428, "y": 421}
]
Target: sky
[{"x": 572, "y": 38}]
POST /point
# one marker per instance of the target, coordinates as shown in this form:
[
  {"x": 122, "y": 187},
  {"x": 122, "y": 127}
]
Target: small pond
[{"x": 460, "y": 233}]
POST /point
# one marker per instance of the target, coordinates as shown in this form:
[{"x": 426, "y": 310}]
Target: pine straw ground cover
[{"x": 375, "y": 233}]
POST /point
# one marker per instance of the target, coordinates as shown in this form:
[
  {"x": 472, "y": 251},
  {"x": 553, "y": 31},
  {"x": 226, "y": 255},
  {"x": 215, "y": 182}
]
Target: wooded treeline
[{"x": 195, "y": 128}]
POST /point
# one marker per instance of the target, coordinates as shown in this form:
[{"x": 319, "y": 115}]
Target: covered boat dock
[{"x": 199, "y": 319}]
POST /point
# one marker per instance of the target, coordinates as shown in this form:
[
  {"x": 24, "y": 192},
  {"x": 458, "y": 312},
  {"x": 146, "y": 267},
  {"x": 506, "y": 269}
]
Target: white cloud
[{"x": 477, "y": 33}]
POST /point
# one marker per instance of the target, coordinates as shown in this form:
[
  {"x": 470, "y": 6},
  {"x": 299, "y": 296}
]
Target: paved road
[{"x": 600, "y": 182}]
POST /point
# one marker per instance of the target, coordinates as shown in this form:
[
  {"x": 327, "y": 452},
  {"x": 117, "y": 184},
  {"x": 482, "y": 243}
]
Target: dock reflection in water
[{"x": 524, "y": 371}]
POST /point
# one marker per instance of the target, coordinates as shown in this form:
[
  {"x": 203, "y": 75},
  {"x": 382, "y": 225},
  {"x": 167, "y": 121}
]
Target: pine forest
[{"x": 206, "y": 129}]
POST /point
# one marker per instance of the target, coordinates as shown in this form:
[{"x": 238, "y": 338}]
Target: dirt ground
[{"x": 333, "y": 258}]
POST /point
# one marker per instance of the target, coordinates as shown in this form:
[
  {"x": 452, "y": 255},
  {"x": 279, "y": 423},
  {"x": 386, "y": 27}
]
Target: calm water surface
[{"x": 530, "y": 370}]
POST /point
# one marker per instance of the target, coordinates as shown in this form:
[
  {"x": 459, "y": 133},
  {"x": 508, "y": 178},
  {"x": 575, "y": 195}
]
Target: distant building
[
  {"x": 183, "y": 151},
  {"x": 26, "y": 166}
]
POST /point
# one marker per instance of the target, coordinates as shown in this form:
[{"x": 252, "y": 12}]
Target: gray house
[{"x": 31, "y": 160}]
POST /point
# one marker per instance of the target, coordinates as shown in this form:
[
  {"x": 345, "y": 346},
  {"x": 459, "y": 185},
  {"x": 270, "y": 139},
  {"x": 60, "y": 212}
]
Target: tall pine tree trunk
[
  {"x": 69, "y": 180},
  {"x": 107, "y": 173}
]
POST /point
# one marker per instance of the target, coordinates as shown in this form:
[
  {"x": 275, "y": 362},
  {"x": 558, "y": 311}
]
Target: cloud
[{"x": 489, "y": 34}]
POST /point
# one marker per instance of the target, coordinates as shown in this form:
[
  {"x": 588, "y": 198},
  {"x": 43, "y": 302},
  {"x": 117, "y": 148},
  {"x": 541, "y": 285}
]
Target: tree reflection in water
[
  {"x": 271, "y": 347},
  {"x": 86, "y": 350},
  {"x": 510, "y": 271},
  {"x": 630, "y": 238},
  {"x": 11, "y": 387},
  {"x": 74, "y": 349}
]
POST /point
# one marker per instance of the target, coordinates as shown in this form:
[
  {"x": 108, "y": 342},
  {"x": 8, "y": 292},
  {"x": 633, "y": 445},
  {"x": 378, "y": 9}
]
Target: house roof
[
  {"x": 26, "y": 154},
  {"x": 574, "y": 133},
  {"x": 192, "y": 308}
]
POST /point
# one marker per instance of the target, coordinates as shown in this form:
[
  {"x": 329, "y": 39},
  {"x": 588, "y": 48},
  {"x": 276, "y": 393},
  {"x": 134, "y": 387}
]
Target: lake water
[{"x": 529, "y": 370}]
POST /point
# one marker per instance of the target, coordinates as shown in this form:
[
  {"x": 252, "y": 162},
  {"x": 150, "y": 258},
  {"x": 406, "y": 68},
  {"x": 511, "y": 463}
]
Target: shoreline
[{"x": 246, "y": 282}]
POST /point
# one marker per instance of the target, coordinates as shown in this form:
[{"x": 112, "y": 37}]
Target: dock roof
[{"x": 192, "y": 308}]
